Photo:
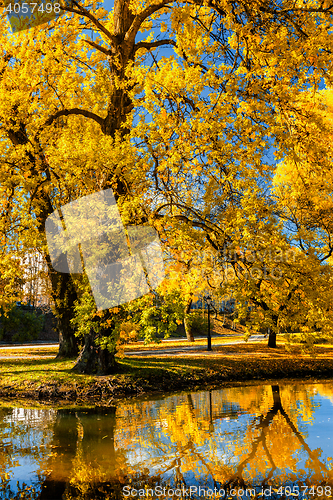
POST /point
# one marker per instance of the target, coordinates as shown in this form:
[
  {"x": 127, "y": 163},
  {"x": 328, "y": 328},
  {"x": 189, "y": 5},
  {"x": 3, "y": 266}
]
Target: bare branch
[{"x": 185, "y": 219}]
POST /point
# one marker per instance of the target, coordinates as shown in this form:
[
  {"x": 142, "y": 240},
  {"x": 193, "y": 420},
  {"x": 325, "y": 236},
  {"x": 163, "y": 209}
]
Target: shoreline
[{"x": 152, "y": 376}]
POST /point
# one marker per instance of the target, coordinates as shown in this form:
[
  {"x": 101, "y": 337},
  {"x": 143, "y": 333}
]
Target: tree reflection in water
[
  {"x": 239, "y": 437},
  {"x": 83, "y": 458},
  {"x": 208, "y": 439},
  {"x": 266, "y": 439}
]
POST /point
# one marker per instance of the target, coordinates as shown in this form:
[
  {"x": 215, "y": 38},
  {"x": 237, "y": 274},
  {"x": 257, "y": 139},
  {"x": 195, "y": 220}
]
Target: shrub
[
  {"x": 19, "y": 325},
  {"x": 158, "y": 322},
  {"x": 309, "y": 338},
  {"x": 197, "y": 322}
]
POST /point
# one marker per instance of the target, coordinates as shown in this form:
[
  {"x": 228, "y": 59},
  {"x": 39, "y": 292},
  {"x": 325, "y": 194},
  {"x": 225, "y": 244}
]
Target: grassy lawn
[
  {"x": 35, "y": 352},
  {"x": 45, "y": 378},
  {"x": 26, "y": 373}
]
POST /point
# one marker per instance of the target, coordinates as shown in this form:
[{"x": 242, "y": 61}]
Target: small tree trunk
[
  {"x": 272, "y": 339},
  {"x": 223, "y": 322},
  {"x": 187, "y": 326},
  {"x": 64, "y": 312}
]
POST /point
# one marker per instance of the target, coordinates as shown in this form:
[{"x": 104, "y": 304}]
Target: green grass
[
  {"x": 42, "y": 351},
  {"x": 25, "y": 373}
]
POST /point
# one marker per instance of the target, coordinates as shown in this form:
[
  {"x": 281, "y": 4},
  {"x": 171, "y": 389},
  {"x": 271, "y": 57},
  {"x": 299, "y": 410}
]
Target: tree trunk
[
  {"x": 68, "y": 343},
  {"x": 272, "y": 339},
  {"x": 95, "y": 360},
  {"x": 63, "y": 289},
  {"x": 187, "y": 326},
  {"x": 64, "y": 295}
]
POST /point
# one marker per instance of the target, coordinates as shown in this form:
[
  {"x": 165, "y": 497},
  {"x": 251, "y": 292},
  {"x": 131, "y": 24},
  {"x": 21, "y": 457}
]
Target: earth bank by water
[{"x": 53, "y": 380}]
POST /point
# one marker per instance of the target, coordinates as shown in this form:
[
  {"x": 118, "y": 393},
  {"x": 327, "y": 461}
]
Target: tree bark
[
  {"x": 63, "y": 290},
  {"x": 95, "y": 360},
  {"x": 187, "y": 326},
  {"x": 272, "y": 339},
  {"x": 64, "y": 295}
]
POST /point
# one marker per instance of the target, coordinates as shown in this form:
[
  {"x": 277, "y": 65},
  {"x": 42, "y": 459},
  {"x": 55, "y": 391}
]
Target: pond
[{"x": 263, "y": 441}]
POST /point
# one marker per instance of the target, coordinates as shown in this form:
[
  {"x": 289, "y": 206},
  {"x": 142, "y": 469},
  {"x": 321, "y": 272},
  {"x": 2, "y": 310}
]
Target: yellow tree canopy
[{"x": 181, "y": 135}]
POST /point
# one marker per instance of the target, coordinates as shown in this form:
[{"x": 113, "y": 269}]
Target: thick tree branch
[
  {"x": 139, "y": 18},
  {"x": 99, "y": 47},
  {"x": 74, "y": 111},
  {"x": 84, "y": 12},
  {"x": 297, "y": 9},
  {"x": 151, "y": 9},
  {"x": 191, "y": 222},
  {"x": 153, "y": 45},
  {"x": 185, "y": 219}
]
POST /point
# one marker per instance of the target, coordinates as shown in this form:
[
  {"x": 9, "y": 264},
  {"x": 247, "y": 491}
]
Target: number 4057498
[
  {"x": 24, "y": 8},
  {"x": 324, "y": 491}
]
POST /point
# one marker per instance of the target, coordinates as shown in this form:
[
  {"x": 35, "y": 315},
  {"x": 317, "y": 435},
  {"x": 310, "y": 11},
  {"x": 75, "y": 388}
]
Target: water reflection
[{"x": 231, "y": 440}]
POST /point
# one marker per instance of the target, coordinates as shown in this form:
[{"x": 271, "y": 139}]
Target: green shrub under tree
[{"x": 20, "y": 325}]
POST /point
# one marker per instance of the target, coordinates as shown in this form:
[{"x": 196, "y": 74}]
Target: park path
[{"x": 190, "y": 350}]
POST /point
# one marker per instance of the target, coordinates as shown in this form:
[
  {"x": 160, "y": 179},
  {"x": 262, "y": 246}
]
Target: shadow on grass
[
  {"x": 157, "y": 365},
  {"x": 29, "y": 361},
  {"x": 30, "y": 366}
]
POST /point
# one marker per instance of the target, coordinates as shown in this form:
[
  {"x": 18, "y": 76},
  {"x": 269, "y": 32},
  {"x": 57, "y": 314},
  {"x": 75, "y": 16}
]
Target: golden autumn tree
[
  {"x": 190, "y": 267},
  {"x": 303, "y": 190},
  {"x": 303, "y": 181},
  {"x": 180, "y": 135}
]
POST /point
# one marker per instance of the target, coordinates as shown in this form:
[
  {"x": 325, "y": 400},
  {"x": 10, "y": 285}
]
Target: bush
[
  {"x": 158, "y": 322},
  {"x": 20, "y": 325},
  {"x": 309, "y": 338},
  {"x": 197, "y": 322}
]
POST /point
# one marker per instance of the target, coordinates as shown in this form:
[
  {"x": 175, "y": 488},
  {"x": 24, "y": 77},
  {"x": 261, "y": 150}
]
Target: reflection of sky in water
[
  {"x": 319, "y": 434},
  {"x": 25, "y": 434},
  {"x": 145, "y": 431},
  {"x": 25, "y": 472}
]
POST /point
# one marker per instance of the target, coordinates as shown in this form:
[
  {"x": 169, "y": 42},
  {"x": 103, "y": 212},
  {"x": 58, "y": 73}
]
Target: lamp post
[{"x": 209, "y": 339}]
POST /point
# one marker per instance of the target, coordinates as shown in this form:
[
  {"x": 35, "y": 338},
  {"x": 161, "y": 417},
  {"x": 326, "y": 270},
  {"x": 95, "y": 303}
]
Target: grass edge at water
[{"x": 52, "y": 379}]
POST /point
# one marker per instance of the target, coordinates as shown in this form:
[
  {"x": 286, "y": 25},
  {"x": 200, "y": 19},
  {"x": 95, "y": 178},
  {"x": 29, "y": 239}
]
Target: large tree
[{"x": 179, "y": 138}]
